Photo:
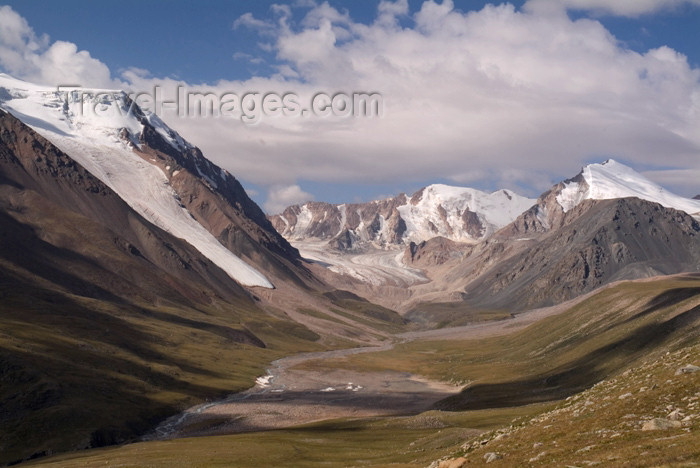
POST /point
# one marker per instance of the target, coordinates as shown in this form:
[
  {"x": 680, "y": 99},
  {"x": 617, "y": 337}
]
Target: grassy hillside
[
  {"x": 396, "y": 442},
  {"x": 557, "y": 356},
  {"x": 647, "y": 416},
  {"x": 512, "y": 382},
  {"x": 80, "y": 372}
]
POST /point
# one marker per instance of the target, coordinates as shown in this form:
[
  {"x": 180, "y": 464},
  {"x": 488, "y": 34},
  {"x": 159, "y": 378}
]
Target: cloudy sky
[{"x": 489, "y": 95}]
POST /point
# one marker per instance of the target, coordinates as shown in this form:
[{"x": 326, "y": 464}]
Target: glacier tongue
[
  {"x": 93, "y": 140},
  {"x": 612, "y": 179}
]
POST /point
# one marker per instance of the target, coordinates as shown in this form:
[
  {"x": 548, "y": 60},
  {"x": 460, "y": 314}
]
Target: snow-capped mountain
[
  {"x": 608, "y": 223},
  {"x": 611, "y": 180},
  {"x": 456, "y": 213},
  {"x": 136, "y": 155}
]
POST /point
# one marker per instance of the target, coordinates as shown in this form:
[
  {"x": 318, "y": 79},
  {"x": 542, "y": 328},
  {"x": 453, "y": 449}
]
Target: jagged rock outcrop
[{"x": 434, "y": 252}]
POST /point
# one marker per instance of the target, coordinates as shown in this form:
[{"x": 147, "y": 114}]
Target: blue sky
[
  {"x": 507, "y": 131},
  {"x": 196, "y": 41}
]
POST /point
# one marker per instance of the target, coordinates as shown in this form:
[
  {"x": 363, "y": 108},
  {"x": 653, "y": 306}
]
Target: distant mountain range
[
  {"x": 456, "y": 213},
  {"x": 607, "y": 223}
]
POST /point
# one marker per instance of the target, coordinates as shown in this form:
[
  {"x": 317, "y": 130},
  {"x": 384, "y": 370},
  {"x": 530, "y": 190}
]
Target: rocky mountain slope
[
  {"x": 159, "y": 175},
  {"x": 598, "y": 242},
  {"x": 97, "y": 304},
  {"x": 610, "y": 180}
]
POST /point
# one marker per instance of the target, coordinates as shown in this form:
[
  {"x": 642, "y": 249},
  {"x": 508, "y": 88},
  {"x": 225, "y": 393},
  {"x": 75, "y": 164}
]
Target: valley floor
[
  {"x": 618, "y": 355},
  {"x": 289, "y": 396},
  {"x": 300, "y": 389}
]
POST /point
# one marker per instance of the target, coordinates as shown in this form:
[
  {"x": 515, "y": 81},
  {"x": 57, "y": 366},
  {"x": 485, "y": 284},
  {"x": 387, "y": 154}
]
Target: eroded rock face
[
  {"x": 472, "y": 224},
  {"x": 547, "y": 214},
  {"x": 346, "y": 227}
]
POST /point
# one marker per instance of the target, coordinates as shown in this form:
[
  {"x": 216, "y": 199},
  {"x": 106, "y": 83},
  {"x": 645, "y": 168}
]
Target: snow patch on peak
[
  {"x": 85, "y": 112},
  {"x": 96, "y": 140},
  {"x": 571, "y": 195},
  {"x": 612, "y": 180}
]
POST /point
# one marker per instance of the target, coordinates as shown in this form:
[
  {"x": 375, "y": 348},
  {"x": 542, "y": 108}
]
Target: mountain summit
[
  {"x": 154, "y": 170},
  {"x": 611, "y": 180}
]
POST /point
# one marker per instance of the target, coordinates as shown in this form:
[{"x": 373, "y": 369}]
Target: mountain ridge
[{"x": 460, "y": 214}]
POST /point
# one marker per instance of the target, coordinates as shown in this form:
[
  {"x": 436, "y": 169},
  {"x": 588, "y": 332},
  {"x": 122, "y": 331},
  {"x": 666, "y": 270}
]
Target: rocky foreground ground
[{"x": 647, "y": 416}]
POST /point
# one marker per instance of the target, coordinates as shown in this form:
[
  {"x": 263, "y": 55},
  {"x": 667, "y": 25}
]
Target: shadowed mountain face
[
  {"x": 50, "y": 195},
  {"x": 92, "y": 298},
  {"x": 598, "y": 242}
]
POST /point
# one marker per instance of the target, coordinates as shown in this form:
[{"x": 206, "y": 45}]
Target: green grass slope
[
  {"x": 559, "y": 355},
  {"x": 647, "y": 416},
  {"x": 79, "y": 372}
]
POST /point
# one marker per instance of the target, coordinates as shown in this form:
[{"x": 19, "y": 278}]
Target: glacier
[{"x": 95, "y": 140}]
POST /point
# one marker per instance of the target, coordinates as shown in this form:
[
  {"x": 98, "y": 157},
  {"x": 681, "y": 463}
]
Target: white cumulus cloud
[
  {"x": 279, "y": 198},
  {"x": 25, "y": 55}
]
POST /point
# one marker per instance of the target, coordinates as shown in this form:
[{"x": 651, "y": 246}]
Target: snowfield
[
  {"x": 612, "y": 179},
  {"x": 495, "y": 210},
  {"x": 93, "y": 140}
]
